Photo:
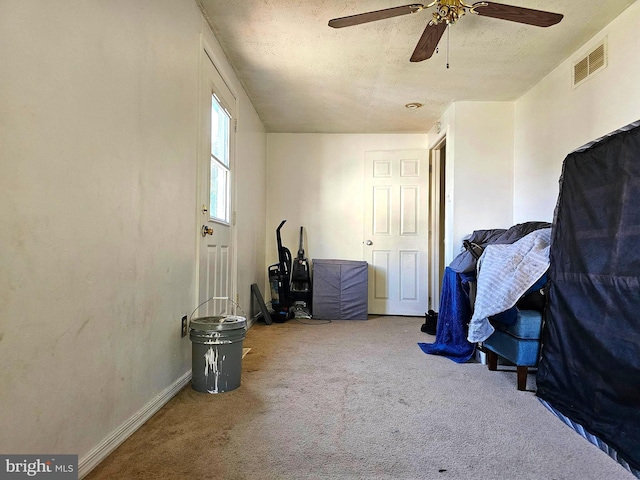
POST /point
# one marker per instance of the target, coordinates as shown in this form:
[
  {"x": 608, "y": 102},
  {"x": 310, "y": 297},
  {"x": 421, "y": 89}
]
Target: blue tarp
[{"x": 453, "y": 318}]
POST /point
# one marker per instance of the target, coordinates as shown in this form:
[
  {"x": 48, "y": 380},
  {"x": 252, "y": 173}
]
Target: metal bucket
[{"x": 216, "y": 352}]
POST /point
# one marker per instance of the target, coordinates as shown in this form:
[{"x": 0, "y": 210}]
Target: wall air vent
[{"x": 588, "y": 65}]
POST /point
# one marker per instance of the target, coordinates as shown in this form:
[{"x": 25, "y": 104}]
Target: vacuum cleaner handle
[
  {"x": 279, "y": 239},
  {"x": 301, "y": 248}
]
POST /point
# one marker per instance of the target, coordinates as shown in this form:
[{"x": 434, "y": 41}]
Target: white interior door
[
  {"x": 216, "y": 271},
  {"x": 396, "y": 231}
]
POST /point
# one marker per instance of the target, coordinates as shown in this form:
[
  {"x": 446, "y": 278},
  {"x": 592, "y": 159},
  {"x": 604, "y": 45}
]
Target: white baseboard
[
  {"x": 113, "y": 441},
  {"x": 251, "y": 321}
]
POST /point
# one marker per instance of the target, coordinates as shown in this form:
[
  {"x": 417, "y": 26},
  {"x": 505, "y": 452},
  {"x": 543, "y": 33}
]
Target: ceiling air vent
[{"x": 593, "y": 62}]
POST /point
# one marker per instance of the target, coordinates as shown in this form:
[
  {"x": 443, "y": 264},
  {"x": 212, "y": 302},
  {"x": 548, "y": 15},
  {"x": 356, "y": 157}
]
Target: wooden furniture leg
[
  {"x": 522, "y": 377},
  {"x": 492, "y": 360}
]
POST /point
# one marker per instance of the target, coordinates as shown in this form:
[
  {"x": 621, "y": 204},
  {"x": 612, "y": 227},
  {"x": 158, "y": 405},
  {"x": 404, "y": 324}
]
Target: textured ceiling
[{"x": 303, "y": 76}]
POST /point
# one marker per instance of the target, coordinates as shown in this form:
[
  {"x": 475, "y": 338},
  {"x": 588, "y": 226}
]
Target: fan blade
[
  {"x": 529, "y": 16},
  {"x": 428, "y": 41},
  {"x": 375, "y": 15}
]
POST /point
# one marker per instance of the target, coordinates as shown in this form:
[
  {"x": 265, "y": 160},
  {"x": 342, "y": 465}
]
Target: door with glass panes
[{"x": 215, "y": 278}]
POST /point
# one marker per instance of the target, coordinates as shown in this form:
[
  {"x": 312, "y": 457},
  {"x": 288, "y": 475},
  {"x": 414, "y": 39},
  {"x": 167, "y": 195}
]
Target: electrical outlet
[{"x": 184, "y": 327}]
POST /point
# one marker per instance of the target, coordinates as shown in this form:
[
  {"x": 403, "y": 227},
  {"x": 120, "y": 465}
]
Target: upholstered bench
[{"x": 518, "y": 343}]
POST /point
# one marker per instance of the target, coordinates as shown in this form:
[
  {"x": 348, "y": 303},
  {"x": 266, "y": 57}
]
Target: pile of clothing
[{"x": 499, "y": 270}]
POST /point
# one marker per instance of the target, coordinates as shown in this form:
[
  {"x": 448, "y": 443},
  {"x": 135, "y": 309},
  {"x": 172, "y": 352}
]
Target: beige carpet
[{"x": 357, "y": 400}]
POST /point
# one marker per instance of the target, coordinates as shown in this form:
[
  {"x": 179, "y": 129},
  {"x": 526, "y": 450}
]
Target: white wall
[
  {"x": 553, "y": 119},
  {"x": 479, "y": 169},
  {"x": 250, "y": 204},
  {"x": 98, "y": 144},
  {"x": 316, "y": 181}
]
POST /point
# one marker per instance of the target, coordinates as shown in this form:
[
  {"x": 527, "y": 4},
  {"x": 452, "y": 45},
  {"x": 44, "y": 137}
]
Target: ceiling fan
[{"x": 447, "y": 13}]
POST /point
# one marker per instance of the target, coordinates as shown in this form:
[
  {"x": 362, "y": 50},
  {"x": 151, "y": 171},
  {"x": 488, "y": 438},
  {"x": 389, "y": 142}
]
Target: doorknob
[
  {"x": 206, "y": 230},
  {"x": 369, "y": 242}
]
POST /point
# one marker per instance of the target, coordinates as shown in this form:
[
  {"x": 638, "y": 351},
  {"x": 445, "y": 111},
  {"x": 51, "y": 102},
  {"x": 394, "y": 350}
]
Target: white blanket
[{"x": 505, "y": 273}]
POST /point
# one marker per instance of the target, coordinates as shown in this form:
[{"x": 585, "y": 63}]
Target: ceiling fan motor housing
[{"x": 449, "y": 11}]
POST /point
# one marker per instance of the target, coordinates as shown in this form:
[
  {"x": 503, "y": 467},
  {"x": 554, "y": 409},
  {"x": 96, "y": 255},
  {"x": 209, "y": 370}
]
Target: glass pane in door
[
  {"x": 218, "y": 192},
  {"x": 220, "y": 121},
  {"x": 219, "y": 180}
]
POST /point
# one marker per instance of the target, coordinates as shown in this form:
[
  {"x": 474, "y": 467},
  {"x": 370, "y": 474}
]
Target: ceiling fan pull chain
[{"x": 448, "y": 28}]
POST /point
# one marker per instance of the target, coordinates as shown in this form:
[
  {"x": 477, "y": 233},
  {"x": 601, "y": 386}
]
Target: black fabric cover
[{"x": 590, "y": 360}]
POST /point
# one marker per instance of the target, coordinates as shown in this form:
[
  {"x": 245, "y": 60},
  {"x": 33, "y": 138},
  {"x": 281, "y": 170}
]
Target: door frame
[
  {"x": 437, "y": 217},
  {"x": 207, "y": 51}
]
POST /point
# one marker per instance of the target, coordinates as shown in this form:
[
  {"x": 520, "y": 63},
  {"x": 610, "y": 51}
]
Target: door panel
[
  {"x": 379, "y": 265},
  {"x": 409, "y": 210},
  {"x": 409, "y": 275},
  {"x": 396, "y": 231},
  {"x": 217, "y": 280},
  {"x": 381, "y": 212}
]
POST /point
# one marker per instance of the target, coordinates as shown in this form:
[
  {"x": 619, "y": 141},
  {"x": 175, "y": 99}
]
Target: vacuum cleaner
[
  {"x": 290, "y": 282},
  {"x": 300, "y": 289},
  {"x": 279, "y": 278}
]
